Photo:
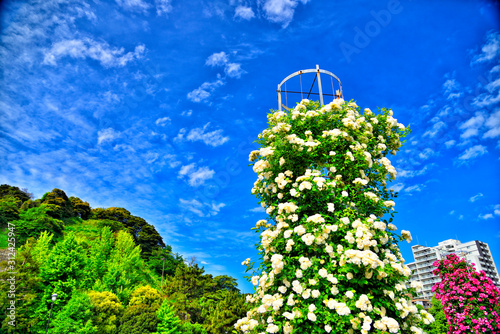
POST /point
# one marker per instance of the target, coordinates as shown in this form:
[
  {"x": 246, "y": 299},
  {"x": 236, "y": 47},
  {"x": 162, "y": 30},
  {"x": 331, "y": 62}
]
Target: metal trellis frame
[{"x": 317, "y": 77}]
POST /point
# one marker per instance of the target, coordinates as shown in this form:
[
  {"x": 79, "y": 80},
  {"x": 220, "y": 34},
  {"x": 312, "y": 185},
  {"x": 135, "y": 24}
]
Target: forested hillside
[{"x": 111, "y": 271}]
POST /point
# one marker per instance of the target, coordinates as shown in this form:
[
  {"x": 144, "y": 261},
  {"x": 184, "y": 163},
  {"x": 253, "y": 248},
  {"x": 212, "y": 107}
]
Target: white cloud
[
  {"x": 472, "y": 125},
  {"x": 212, "y": 138},
  {"x": 245, "y": 13},
  {"x": 475, "y": 198},
  {"x": 258, "y": 209},
  {"x": 485, "y": 216},
  {"x": 107, "y": 135},
  {"x": 281, "y": 11},
  {"x": 187, "y": 113},
  {"x": 449, "y": 143},
  {"x": 473, "y": 152},
  {"x": 196, "y": 175},
  {"x": 397, "y": 187},
  {"x": 490, "y": 50},
  {"x": 163, "y": 7},
  {"x": 493, "y": 125},
  {"x": 415, "y": 188},
  {"x": 88, "y": 48},
  {"x": 432, "y": 132},
  {"x": 426, "y": 154},
  {"x": 217, "y": 59},
  {"x": 203, "y": 92},
  {"x": 404, "y": 173},
  {"x": 134, "y": 5},
  {"x": 450, "y": 85},
  {"x": 201, "y": 209},
  {"x": 163, "y": 121},
  {"x": 233, "y": 70}
]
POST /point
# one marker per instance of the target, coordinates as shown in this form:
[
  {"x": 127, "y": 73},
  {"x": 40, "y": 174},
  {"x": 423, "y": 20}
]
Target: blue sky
[{"x": 153, "y": 105}]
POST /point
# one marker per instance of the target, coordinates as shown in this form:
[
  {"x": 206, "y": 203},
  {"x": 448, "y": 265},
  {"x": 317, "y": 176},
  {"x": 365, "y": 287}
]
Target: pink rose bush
[
  {"x": 469, "y": 298},
  {"x": 330, "y": 262}
]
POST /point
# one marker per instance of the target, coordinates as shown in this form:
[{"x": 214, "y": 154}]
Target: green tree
[
  {"x": 28, "y": 284},
  {"x": 63, "y": 208},
  {"x": 143, "y": 233},
  {"x": 224, "y": 282},
  {"x": 80, "y": 208},
  {"x": 221, "y": 310},
  {"x": 125, "y": 268},
  {"x": 63, "y": 270},
  {"x": 21, "y": 194},
  {"x": 440, "y": 324},
  {"x": 140, "y": 315},
  {"x": 9, "y": 209},
  {"x": 34, "y": 221},
  {"x": 99, "y": 255},
  {"x": 107, "y": 311},
  {"x": 168, "y": 322},
  {"x": 156, "y": 264},
  {"x": 185, "y": 290},
  {"x": 75, "y": 317}
]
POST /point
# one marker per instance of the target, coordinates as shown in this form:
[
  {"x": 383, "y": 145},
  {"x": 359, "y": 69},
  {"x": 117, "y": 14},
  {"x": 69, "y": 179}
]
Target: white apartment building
[{"x": 476, "y": 252}]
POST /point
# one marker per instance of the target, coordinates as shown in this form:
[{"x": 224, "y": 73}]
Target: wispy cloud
[
  {"x": 243, "y": 12},
  {"x": 397, "y": 187},
  {"x": 163, "y": 7},
  {"x": 203, "y": 92},
  {"x": 485, "y": 216},
  {"x": 88, "y": 48},
  {"x": 475, "y": 198},
  {"x": 281, "y": 11},
  {"x": 211, "y": 138},
  {"x": 107, "y": 135},
  {"x": 163, "y": 121},
  {"x": 221, "y": 59},
  {"x": 134, "y": 5},
  {"x": 196, "y": 175},
  {"x": 201, "y": 209},
  {"x": 473, "y": 152},
  {"x": 490, "y": 50},
  {"x": 257, "y": 209}
]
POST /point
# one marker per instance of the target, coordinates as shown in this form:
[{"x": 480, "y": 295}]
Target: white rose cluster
[{"x": 321, "y": 177}]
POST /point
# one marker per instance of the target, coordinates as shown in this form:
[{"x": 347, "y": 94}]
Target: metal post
[
  {"x": 319, "y": 86},
  {"x": 162, "y": 271},
  {"x": 279, "y": 97},
  {"x": 54, "y": 297}
]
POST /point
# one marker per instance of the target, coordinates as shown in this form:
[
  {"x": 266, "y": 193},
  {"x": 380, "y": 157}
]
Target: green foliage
[
  {"x": 114, "y": 225},
  {"x": 168, "y": 322},
  {"x": 75, "y": 317},
  {"x": 21, "y": 194},
  {"x": 190, "y": 328},
  {"x": 34, "y": 221},
  {"x": 107, "y": 311},
  {"x": 9, "y": 209},
  {"x": 186, "y": 288},
  {"x": 140, "y": 315},
  {"x": 63, "y": 271},
  {"x": 125, "y": 269},
  {"x": 99, "y": 260},
  {"x": 221, "y": 310},
  {"x": 156, "y": 264},
  {"x": 63, "y": 208},
  {"x": 80, "y": 208},
  {"x": 440, "y": 324},
  {"x": 28, "y": 287},
  {"x": 143, "y": 233}
]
